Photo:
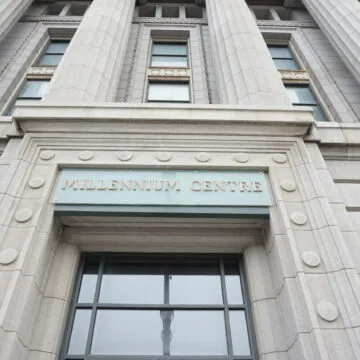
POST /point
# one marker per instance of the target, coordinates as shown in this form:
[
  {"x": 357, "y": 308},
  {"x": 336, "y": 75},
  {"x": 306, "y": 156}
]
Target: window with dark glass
[
  {"x": 303, "y": 96},
  {"x": 53, "y": 53},
  {"x": 31, "y": 90},
  {"x": 169, "y": 91},
  {"x": 166, "y": 54},
  {"x": 160, "y": 307},
  {"x": 283, "y": 57}
]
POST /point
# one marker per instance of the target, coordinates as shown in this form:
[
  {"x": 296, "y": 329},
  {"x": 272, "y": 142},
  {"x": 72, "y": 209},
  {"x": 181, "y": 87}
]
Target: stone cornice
[{"x": 163, "y": 118}]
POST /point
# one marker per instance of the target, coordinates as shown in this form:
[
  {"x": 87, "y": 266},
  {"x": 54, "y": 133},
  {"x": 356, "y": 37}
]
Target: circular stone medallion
[
  {"x": 280, "y": 158},
  {"x": 86, "y": 155},
  {"x": 327, "y": 311},
  {"x": 8, "y": 256},
  {"x": 298, "y": 218},
  {"x": 288, "y": 185},
  {"x": 203, "y": 157},
  {"x": 163, "y": 156},
  {"x": 125, "y": 155},
  {"x": 47, "y": 154},
  {"x": 36, "y": 183},
  {"x": 311, "y": 258},
  {"x": 23, "y": 215},
  {"x": 241, "y": 158}
]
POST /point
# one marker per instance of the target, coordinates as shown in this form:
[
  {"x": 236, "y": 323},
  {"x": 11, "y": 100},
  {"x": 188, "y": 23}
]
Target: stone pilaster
[
  {"x": 10, "y": 12},
  {"x": 246, "y": 72},
  {"x": 340, "y": 22},
  {"x": 91, "y": 67}
]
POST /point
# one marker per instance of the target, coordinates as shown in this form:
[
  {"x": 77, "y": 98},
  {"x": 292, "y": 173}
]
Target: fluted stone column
[
  {"x": 246, "y": 72},
  {"x": 340, "y": 22},
  {"x": 91, "y": 67},
  {"x": 10, "y": 13}
]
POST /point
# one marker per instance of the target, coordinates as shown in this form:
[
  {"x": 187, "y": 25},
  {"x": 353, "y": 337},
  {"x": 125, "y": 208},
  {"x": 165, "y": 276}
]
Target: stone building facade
[{"x": 112, "y": 93}]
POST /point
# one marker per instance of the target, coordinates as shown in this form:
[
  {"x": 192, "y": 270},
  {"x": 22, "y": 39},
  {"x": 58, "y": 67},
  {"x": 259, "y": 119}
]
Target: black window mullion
[
  {"x": 226, "y": 309},
  {"x": 95, "y": 306}
]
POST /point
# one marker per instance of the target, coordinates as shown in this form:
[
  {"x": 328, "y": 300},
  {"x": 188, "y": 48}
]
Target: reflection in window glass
[
  {"x": 53, "y": 53},
  {"x": 33, "y": 89},
  {"x": 169, "y": 54},
  {"x": 135, "y": 289},
  {"x": 233, "y": 285},
  {"x": 303, "y": 96},
  {"x": 79, "y": 332},
  {"x": 283, "y": 57},
  {"x": 127, "y": 332},
  {"x": 187, "y": 286},
  {"x": 239, "y": 333},
  {"x": 159, "y": 306},
  {"x": 169, "y": 92},
  {"x": 198, "y": 333},
  {"x": 88, "y": 283}
]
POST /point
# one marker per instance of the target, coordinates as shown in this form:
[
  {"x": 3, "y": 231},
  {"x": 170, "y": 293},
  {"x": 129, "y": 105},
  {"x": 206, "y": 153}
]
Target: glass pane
[
  {"x": 79, "y": 332},
  {"x": 172, "y": 61},
  {"x": 169, "y": 49},
  {"x": 127, "y": 332},
  {"x": 88, "y": 282},
  {"x": 50, "y": 60},
  {"x": 57, "y": 47},
  {"x": 132, "y": 284},
  {"x": 239, "y": 333},
  {"x": 285, "y": 64},
  {"x": 318, "y": 114},
  {"x": 195, "y": 285},
  {"x": 33, "y": 89},
  {"x": 168, "y": 92},
  {"x": 300, "y": 95},
  {"x": 282, "y": 52},
  {"x": 198, "y": 333},
  {"x": 233, "y": 285}
]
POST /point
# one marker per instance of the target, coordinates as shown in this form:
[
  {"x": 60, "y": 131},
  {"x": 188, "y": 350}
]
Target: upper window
[
  {"x": 160, "y": 306},
  {"x": 53, "y": 53},
  {"x": 283, "y": 57},
  {"x": 166, "y": 54},
  {"x": 303, "y": 96}
]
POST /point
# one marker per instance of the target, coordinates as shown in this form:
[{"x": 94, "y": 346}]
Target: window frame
[
  {"x": 293, "y": 58},
  {"x": 137, "y": 259},
  {"x": 168, "y": 42},
  {"x": 315, "y": 104},
  {"x": 44, "y": 52}
]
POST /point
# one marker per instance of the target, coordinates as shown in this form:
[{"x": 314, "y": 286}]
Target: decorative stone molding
[
  {"x": 282, "y": 24},
  {"x": 41, "y": 70},
  {"x": 203, "y": 157},
  {"x": 36, "y": 183},
  {"x": 311, "y": 258},
  {"x": 163, "y": 156},
  {"x": 327, "y": 311},
  {"x": 47, "y": 155},
  {"x": 169, "y": 72},
  {"x": 86, "y": 155},
  {"x": 171, "y": 21},
  {"x": 52, "y": 18},
  {"x": 125, "y": 155},
  {"x": 241, "y": 158},
  {"x": 298, "y": 218},
  {"x": 297, "y": 76},
  {"x": 23, "y": 215},
  {"x": 8, "y": 256},
  {"x": 280, "y": 158},
  {"x": 288, "y": 185}
]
